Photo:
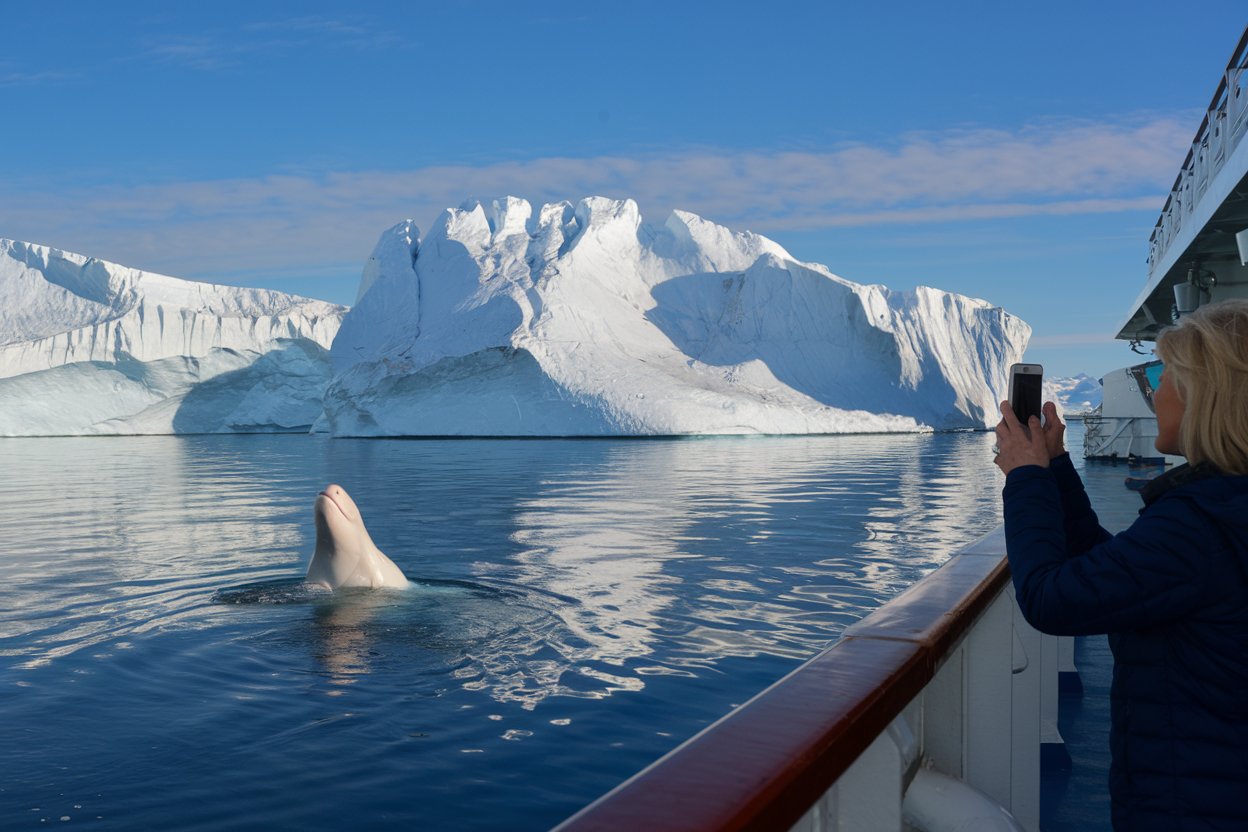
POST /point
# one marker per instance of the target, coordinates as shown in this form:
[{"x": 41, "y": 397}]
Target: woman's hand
[
  {"x": 1019, "y": 445},
  {"x": 1054, "y": 431}
]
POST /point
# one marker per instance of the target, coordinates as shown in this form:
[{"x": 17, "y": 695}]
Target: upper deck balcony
[{"x": 1193, "y": 253}]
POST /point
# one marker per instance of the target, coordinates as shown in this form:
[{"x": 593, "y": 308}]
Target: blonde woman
[{"x": 1171, "y": 591}]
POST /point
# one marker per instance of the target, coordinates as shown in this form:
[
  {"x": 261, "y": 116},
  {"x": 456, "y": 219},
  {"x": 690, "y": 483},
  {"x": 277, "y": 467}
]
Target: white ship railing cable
[{"x": 946, "y": 678}]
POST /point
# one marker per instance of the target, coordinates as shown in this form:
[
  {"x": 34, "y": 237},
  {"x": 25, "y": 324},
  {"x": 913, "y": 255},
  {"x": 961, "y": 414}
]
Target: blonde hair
[{"x": 1206, "y": 355}]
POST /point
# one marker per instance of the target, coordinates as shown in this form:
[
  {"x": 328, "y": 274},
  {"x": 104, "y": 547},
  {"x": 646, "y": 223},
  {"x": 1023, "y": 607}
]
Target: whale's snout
[{"x": 338, "y": 497}]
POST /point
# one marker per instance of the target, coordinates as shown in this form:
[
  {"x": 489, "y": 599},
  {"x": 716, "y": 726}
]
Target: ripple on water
[{"x": 602, "y": 599}]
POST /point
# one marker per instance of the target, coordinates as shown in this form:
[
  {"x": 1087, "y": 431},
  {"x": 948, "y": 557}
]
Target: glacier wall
[
  {"x": 586, "y": 320},
  {"x": 91, "y": 347}
]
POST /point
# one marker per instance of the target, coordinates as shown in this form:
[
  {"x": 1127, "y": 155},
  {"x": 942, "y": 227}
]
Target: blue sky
[{"x": 1016, "y": 152}]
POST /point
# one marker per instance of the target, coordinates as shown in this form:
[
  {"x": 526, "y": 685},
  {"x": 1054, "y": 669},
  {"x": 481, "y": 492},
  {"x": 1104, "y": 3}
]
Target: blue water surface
[{"x": 580, "y": 608}]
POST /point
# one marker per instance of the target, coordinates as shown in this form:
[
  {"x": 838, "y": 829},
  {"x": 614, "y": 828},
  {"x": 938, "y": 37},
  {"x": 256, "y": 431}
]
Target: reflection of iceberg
[
  {"x": 594, "y": 565},
  {"x": 936, "y": 497},
  {"x": 622, "y": 536},
  {"x": 125, "y": 564}
]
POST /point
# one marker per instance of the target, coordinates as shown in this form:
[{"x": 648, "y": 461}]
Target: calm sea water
[{"x": 581, "y": 608}]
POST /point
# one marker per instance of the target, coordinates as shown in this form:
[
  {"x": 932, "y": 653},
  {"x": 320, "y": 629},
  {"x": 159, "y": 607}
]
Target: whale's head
[
  {"x": 342, "y": 542},
  {"x": 345, "y": 555}
]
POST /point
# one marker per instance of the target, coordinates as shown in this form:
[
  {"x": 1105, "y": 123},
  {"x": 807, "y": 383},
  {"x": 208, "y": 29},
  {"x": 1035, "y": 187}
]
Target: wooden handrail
[{"x": 764, "y": 765}]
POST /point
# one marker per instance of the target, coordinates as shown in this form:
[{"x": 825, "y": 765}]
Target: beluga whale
[{"x": 345, "y": 555}]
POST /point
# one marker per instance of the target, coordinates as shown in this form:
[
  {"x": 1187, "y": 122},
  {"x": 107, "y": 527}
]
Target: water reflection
[
  {"x": 683, "y": 553},
  {"x": 342, "y": 642},
  {"x": 590, "y": 565},
  {"x": 581, "y": 607},
  {"x": 152, "y": 626},
  {"x": 105, "y": 539}
]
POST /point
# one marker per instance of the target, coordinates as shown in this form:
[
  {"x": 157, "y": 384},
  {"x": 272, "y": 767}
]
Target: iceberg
[
  {"x": 91, "y": 347},
  {"x": 586, "y": 320}
]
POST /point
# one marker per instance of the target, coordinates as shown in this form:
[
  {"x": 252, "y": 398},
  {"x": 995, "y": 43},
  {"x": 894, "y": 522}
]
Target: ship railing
[
  {"x": 1237, "y": 109},
  {"x": 947, "y": 678},
  {"x": 1093, "y": 431},
  {"x": 1221, "y": 130},
  {"x": 1096, "y": 445}
]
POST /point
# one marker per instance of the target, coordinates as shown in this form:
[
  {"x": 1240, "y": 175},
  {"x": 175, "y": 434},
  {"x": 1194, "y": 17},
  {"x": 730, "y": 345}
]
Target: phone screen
[{"x": 1025, "y": 393}]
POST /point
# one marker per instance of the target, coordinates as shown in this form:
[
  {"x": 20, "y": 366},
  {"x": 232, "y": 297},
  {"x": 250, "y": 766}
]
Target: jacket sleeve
[
  {"x": 1154, "y": 572},
  {"x": 1082, "y": 526}
]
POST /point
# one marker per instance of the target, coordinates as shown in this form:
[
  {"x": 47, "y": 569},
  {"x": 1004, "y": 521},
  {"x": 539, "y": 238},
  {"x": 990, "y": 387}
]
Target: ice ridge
[
  {"x": 586, "y": 320},
  {"x": 88, "y": 346}
]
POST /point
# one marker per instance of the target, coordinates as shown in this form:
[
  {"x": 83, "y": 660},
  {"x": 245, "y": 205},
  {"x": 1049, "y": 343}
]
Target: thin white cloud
[
  {"x": 288, "y": 221},
  {"x": 959, "y": 213},
  {"x": 308, "y": 23},
  {"x": 222, "y": 48},
  {"x": 24, "y": 79},
  {"x": 355, "y": 33},
  {"x": 200, "y": 52}
]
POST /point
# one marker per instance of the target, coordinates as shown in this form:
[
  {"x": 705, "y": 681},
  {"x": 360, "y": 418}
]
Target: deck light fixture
[
  {"x": 1194, "y": 291},
  {"x": 1186, "y": 296}
]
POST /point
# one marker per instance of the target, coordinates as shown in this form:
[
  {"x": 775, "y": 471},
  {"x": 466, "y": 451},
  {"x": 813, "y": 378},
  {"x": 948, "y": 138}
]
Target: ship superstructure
[{"x": 1198, "y": 253}]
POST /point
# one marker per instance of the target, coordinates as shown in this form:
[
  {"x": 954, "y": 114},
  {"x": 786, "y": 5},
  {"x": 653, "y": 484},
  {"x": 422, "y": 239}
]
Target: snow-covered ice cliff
[
  {"x": 585, "y": 320},
  {"x": 91, "y": 347},
  {"x": 1078, "y": 394}
]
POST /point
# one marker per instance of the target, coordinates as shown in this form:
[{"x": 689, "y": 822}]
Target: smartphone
[{"x": 1025, "y": 392}]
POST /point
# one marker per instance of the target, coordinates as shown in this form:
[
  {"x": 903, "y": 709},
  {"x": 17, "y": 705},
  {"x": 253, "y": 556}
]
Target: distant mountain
[
  {"x": 91, "y": 347},
  {"x": 586, "y": 320},
  {"x": 1077, "y": 394}
]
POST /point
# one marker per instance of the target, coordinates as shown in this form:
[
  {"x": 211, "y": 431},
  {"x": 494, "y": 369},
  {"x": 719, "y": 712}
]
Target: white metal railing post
[
  {"x": 988, "y": 715},
  {"x": 1200, "y": 167},
  {"x": 944, "y": 716},
  {"x": 1030, "y": 678},
  {"x": 1218, "y": 142},
  {"x": 868, "y": 795},
  {"x": 1236, "y": 103}
]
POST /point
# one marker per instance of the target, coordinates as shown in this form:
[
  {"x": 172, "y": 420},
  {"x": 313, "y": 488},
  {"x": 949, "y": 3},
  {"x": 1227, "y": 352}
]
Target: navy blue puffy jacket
[{"x": 1172, "y": 592}]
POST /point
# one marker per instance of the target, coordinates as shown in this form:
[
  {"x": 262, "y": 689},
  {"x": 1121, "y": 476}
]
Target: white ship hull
[{"x": 1124, "y": 427}]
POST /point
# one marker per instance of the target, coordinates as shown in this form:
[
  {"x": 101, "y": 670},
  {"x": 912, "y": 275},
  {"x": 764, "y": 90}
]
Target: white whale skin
[{"x": 345, "y": 555}]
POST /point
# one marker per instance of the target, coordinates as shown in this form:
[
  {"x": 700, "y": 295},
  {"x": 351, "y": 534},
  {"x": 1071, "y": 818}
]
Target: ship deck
[{"x": 1075, "y": 797}]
